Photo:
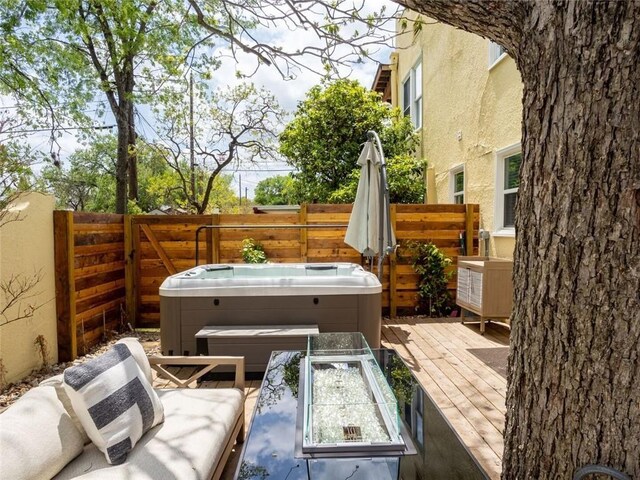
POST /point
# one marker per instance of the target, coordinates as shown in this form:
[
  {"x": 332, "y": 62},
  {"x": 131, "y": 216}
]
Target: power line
[{"x": 40, "y": 130}]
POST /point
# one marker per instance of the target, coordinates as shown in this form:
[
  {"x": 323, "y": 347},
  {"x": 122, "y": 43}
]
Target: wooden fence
[
  {"x": 90, "y": 279},
  {"x": 111, "y": 266},
  {"x": 166, "y": 245}
]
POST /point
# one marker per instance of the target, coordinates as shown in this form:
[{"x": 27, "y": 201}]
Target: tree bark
[
  {"x": 133, "y": 158},
  {"x": 574, "y": 368},
  {"x": 122, "y": 160}
]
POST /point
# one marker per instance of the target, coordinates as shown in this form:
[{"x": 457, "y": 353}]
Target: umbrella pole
[{"x": 384, "y": 205}]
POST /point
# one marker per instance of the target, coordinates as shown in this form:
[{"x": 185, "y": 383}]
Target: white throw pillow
[
  {"x": 114, "y": 401},
  {"x": 139, "y": 354}
]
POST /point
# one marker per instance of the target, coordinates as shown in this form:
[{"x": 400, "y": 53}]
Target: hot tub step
[{"x": 254, "y": 343}]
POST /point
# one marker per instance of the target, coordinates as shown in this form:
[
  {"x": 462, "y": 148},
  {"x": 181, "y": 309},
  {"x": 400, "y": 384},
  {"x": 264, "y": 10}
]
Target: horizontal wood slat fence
[
  {"x": 130, "y": 256},
  {"x": 90, "y": 279}
]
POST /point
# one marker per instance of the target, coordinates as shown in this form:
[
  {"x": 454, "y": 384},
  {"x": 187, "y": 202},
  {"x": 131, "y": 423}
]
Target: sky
[{"x": 288, "y": 94}]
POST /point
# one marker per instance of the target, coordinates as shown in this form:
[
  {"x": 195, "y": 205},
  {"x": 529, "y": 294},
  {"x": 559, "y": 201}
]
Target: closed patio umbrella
[{"x": 369, "y": 230}]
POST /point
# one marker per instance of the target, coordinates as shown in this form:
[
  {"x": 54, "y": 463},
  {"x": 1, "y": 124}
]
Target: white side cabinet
[{"x": 485, "y": 288}]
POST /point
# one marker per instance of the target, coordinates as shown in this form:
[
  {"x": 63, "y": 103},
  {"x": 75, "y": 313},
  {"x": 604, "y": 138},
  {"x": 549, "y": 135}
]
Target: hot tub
[{"x": 335, "y": 297}]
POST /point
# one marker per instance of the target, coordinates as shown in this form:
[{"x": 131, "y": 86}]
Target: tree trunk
[
  {"x": 133, "y": 157},
  {"x": 122, "y": 161},
  {"x": 573, "y": 394},
  {"x": 574, "y": 381}
]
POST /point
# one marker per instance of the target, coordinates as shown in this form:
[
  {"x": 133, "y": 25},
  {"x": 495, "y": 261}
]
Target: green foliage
[
  {"x": 291, "y": 374},
  {"x": 252, "y": 252},
  {"x": 325, "y": 137},
  {"x": 278, "y": 190},
  {"x": 88, "y": 182},
  {"x": 401, "y": 381},
  {"x": 58, "y": 56},
  {"x": 15, "y": 170},
  {"x": 405, "y": 176},
  {"x": 16, "y": 175},
  {"x": 431, "y": 266}
]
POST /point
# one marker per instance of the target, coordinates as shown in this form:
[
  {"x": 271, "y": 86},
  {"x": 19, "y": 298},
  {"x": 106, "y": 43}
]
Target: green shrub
[
  {"x": 252, "y": 252},
  {"x": 431, "y": 265}
]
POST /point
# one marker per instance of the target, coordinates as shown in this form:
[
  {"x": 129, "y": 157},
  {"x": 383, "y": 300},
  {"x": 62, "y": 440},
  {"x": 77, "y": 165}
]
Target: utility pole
[{"x": 192, "y": 142}]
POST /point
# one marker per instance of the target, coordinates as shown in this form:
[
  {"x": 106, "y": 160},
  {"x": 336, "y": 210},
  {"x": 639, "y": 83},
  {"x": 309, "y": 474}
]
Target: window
[
  {"x": 457, "y": 184},
  {"x": 412, "y": 95},
  {"x": 406, "y": 97},
  {"x": 417, "y": 95},
  {"x": 507, "y": 183},
  {"x": 496, "y": 53}
]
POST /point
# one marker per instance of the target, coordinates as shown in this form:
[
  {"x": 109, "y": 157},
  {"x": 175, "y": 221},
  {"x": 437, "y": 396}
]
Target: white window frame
[
  {"x": 497, "y": 53},
  {"x": 452, "y": 183},
  {"x": 498, "y": 220},
  {"x": 415, "y": 99},
  {"x": 416, "y": 103},
  {"x": 404, "y": 102}
]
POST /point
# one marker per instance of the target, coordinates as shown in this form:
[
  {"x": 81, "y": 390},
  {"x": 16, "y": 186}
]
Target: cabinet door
[
  {"x": 475, "y": 289},
  {"x": 462, "y": 293}
]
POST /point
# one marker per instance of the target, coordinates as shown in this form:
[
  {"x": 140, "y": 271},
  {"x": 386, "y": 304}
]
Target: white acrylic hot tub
[{"x": 337, "y": 297}]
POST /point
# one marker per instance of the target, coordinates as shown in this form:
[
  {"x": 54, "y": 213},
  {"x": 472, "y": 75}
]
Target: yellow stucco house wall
[
  {"x": 27, "y": 257},
  {"x": 468, "y": 112}
]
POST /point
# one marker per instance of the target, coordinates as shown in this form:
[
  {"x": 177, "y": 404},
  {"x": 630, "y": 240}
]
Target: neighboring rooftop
[
  {"x": 382, "y": 82},
  {"x": 276, "y": 209}
]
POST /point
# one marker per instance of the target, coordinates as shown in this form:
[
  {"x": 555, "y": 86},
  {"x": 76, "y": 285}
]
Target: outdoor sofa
[{"x": 41, "y": 437}]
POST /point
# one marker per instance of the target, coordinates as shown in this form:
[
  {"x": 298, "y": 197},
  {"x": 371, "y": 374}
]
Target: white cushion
[
  {"x": 57, "y": 382},
  {"x": 113, "y": 400},
  {"x": 188, "y": 445},
  {"x": 37, "y": 436}
]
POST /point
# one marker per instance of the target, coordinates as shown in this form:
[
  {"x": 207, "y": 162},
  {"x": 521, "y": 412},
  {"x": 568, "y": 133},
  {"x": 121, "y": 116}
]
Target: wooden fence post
[
  {"x": 469, "y": 228},
  {"x": 65, "y": 285},
  {"x": 304, "y": 245},
  {"x": 393, "y": 301},
  {"x": 137, "y": 268},
  {"x": 129, "y": 269}
]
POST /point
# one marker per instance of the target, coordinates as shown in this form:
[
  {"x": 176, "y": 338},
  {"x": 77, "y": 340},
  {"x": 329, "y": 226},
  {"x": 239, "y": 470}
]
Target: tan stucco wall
[
  {"x": 469, "y": 113},
  {"x": 26, "y": 248}
]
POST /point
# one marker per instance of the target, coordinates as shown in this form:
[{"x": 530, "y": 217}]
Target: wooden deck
[{"x": 469, "y": 392}]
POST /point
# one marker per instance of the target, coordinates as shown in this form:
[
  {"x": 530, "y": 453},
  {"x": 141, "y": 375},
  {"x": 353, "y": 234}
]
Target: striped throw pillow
[{"x": 114, "y": 401}]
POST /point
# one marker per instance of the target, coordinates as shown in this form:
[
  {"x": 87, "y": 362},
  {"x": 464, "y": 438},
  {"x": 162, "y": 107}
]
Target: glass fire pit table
[{"x": 362, "y": 416}]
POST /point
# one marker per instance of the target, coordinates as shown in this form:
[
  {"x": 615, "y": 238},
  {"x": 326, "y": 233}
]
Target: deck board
[{"x": 469, "y": 393}]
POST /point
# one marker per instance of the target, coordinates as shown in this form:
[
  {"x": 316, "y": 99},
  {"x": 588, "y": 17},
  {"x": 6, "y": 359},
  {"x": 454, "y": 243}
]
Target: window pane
[
  {"x": 417, "y": 120},
  {"x": 458, "y": 182},
  {"x": 458, "y": 199},
  {"x": 510, "y": 209},
  {"x": 418, "y": 80},
  {"x": 495, "y": 51},
  {"x": 406, "y": 97},
  {"x": 512, "y": 171}
]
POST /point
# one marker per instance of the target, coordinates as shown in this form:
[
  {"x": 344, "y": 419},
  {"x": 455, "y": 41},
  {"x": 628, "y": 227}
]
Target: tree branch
[
  {"x": 498, "y": 20},
  {"x": 226, "y": 35},
  {"x": 14, "y": 292}
]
